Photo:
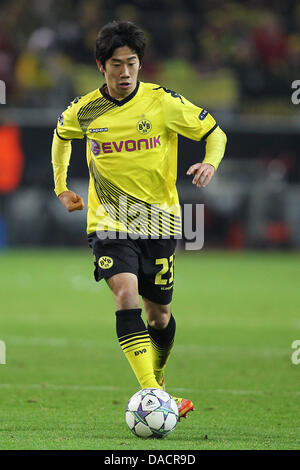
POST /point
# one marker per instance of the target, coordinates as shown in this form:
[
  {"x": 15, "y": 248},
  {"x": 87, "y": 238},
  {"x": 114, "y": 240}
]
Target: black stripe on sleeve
[
  {"x": 209, "y": 132},
  {"x": 60, "y": 136}
]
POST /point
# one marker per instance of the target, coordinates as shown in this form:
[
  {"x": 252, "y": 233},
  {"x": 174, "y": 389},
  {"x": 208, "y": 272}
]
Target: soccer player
[{"x": 133, "y": 222}]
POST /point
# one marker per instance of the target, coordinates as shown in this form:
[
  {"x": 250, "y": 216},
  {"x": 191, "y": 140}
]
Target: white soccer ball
[{"x": 151, "y": 412}]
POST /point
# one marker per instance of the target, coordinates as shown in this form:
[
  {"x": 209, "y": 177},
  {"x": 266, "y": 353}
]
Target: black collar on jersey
[{"x": 119, "y": 102}]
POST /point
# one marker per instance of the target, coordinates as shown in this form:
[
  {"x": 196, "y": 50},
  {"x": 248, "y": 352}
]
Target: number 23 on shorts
[{"x": 167, "y": 266}]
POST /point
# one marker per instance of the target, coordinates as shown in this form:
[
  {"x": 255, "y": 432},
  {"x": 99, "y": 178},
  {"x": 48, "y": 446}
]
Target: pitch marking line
[
  {"x": 109, "y": 388},
  {"x": 210, "y": 349}
]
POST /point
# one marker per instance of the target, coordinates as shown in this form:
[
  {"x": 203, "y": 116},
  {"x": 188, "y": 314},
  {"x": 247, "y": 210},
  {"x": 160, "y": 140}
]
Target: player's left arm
[
  {"x": 183, "y": 117},
  {"x": 215, "y": 148}
]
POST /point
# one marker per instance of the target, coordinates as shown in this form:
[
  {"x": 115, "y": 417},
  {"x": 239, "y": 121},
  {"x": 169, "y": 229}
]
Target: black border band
[
  {"x": 119, "y": 102},
  {"x": 61, "y": 138},
  {"x": 209, "y": 132}
]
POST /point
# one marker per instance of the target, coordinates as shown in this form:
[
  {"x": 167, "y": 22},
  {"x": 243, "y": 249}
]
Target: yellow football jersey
[{"x": 131, "y": 149}]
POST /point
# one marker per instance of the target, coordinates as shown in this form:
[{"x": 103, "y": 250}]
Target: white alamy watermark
[
  {"x": 295, "y": 358},
  {"x": 2, "y": 92},
  {"x": 2, "y": 352},
  {"x": 151, "y": 221},
  {"x": 296, "y": 94},
  {"x": 195, "y": 237}
]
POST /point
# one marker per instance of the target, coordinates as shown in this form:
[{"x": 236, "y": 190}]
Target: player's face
[{"x": 121, "y": 72}]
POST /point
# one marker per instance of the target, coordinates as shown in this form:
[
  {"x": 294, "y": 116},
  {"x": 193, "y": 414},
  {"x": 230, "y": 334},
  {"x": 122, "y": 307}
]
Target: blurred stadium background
[
  {"x": 237, "y": 310},
  {"x": 237, "y": 59}
]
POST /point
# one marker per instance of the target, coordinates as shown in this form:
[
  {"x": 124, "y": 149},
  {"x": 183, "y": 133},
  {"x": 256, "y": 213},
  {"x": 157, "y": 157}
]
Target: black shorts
[{"x": 151, "y": 260}]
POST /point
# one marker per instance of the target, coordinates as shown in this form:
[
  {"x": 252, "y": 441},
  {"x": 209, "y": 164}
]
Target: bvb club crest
[
  {"x": 105, "y": 262},
  {"x": 144, "y": 126}
]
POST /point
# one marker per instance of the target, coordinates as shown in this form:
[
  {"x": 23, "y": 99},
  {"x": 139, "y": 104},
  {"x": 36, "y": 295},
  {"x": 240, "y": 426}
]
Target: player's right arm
[
  {"x": 67, "y": 129},
  {"x": 71, "y": 201}
]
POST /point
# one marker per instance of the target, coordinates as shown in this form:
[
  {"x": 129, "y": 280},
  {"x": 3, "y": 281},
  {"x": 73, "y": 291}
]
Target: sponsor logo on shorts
[{"x": 105, "y": 262}]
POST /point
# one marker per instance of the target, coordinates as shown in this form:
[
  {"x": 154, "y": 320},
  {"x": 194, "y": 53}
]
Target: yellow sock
[
  {"x": 137, "y": 349},
  {"x": 135, "y": 343}
]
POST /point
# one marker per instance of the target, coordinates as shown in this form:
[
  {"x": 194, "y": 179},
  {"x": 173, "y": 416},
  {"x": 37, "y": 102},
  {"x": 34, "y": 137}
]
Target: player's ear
[{"x": 100, "y": 66}]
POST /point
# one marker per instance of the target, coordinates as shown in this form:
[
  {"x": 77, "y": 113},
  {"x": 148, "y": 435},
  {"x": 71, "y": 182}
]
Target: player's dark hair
[{"x": 118, "y": 34}]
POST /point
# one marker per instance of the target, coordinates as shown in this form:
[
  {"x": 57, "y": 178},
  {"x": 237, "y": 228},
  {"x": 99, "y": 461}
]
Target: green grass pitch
[{"x": 66, "y": 382}]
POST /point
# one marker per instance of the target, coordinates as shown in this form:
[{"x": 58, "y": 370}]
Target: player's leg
[
  {"x": 131, "y": 330},
  {"x": 156, "y": 287},
  {"x": 156, "y": 278},
  {"x": 161, "y": 329},
  {"x": 117, "y": 262}
]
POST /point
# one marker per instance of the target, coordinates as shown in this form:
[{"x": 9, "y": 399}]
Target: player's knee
[
  {"x": 159, "y": 321},
  {"x": 126, "y": 298}
]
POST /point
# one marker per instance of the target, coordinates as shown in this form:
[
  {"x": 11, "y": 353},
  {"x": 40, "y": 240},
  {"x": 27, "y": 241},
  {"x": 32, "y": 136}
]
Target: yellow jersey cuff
[
  {"x": 215, "y": 147},
  {"x": 60, "y": 159}
]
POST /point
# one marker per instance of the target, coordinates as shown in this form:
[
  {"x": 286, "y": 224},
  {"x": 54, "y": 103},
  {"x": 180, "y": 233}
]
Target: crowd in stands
[{"x": 242, "y": 53}]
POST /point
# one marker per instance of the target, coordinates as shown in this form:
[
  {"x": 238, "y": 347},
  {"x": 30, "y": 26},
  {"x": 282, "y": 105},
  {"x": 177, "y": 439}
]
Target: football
[{"x": 151, "y": 412}]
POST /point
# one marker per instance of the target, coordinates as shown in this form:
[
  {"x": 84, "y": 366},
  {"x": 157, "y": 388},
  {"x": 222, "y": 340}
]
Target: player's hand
[
  {"x": 203, "y": 173},
  {"x": 71, "y": 201}
]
